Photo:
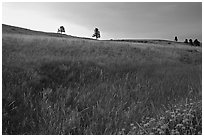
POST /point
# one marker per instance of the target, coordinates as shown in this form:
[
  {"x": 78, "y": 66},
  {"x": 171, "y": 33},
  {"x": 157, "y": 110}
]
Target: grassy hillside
[
  {"x": 17, "y": 30},
  {"x": 69, "y": 85}
]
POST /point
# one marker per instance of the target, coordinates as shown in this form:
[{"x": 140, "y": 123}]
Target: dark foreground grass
[
  {"x": 83, "y": 97},
  {"x": 53, "y": 85}
]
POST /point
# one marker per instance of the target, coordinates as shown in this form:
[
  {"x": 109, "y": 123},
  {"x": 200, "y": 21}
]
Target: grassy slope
[{"x": 68, "y": 85}]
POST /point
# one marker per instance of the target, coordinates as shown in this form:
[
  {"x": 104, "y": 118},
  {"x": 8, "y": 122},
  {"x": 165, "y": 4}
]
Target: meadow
[{"x": 59, "y": 85}]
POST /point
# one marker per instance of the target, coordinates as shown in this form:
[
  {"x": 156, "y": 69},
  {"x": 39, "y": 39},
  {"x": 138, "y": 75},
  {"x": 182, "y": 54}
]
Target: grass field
[{"x": 67, "y": 85}]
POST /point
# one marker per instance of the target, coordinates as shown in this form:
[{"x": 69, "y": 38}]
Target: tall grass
[{"x": 71, "y": 86}]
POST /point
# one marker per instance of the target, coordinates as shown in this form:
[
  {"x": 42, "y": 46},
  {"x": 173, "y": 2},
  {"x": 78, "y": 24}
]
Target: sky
[{"x": 115, "y": 20}]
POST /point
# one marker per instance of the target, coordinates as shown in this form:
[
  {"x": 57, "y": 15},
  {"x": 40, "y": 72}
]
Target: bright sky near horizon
[{"x": 115, "y": 20}]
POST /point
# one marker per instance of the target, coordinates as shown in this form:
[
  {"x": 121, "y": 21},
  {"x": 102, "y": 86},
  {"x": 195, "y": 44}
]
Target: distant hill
[
  {"x": 153, "y": 41},
  {"x": 18, "y": 30}
]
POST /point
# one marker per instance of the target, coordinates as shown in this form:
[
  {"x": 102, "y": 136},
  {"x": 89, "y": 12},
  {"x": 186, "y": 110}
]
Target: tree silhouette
[
  {"x": 96, "y": 33},
  {"x": 176, "y": 39},
  {"x": 186, "y": 41},
  {"x": 190, "y": 42},
  {"x": 196, "y": 42},
  {"x": 61, "y": 29}
]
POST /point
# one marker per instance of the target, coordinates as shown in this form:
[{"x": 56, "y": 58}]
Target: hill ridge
[{"x": 19, "y": 30}]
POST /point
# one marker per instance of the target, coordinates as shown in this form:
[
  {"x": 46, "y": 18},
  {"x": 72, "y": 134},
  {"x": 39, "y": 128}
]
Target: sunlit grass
[{"x": 183, "y": 118}]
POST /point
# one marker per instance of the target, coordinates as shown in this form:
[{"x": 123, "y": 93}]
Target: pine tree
[
  {"x": 96, "y": 33},
  {"x": 176, "y": 39},
  {"x": 186, "y": 41},
  {"x": 190, "y": 42}
]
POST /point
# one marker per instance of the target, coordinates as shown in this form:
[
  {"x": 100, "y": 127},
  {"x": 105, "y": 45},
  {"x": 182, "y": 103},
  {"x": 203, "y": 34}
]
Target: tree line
[
  {"x": 190, "y": 42},
  {"x": 97, "y": 35},
  {"x": 193, "y": 43}
]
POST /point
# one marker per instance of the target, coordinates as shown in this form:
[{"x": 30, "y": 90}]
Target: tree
[
  {"x": 96, "y": 33},
  {"x": 186, "y": 41},
  {"x": 61, "y": 29},
  {"x": 176, "y": 39},
  {"x": 190, "y": 42},
  {"x": 196, "y": 42}
]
